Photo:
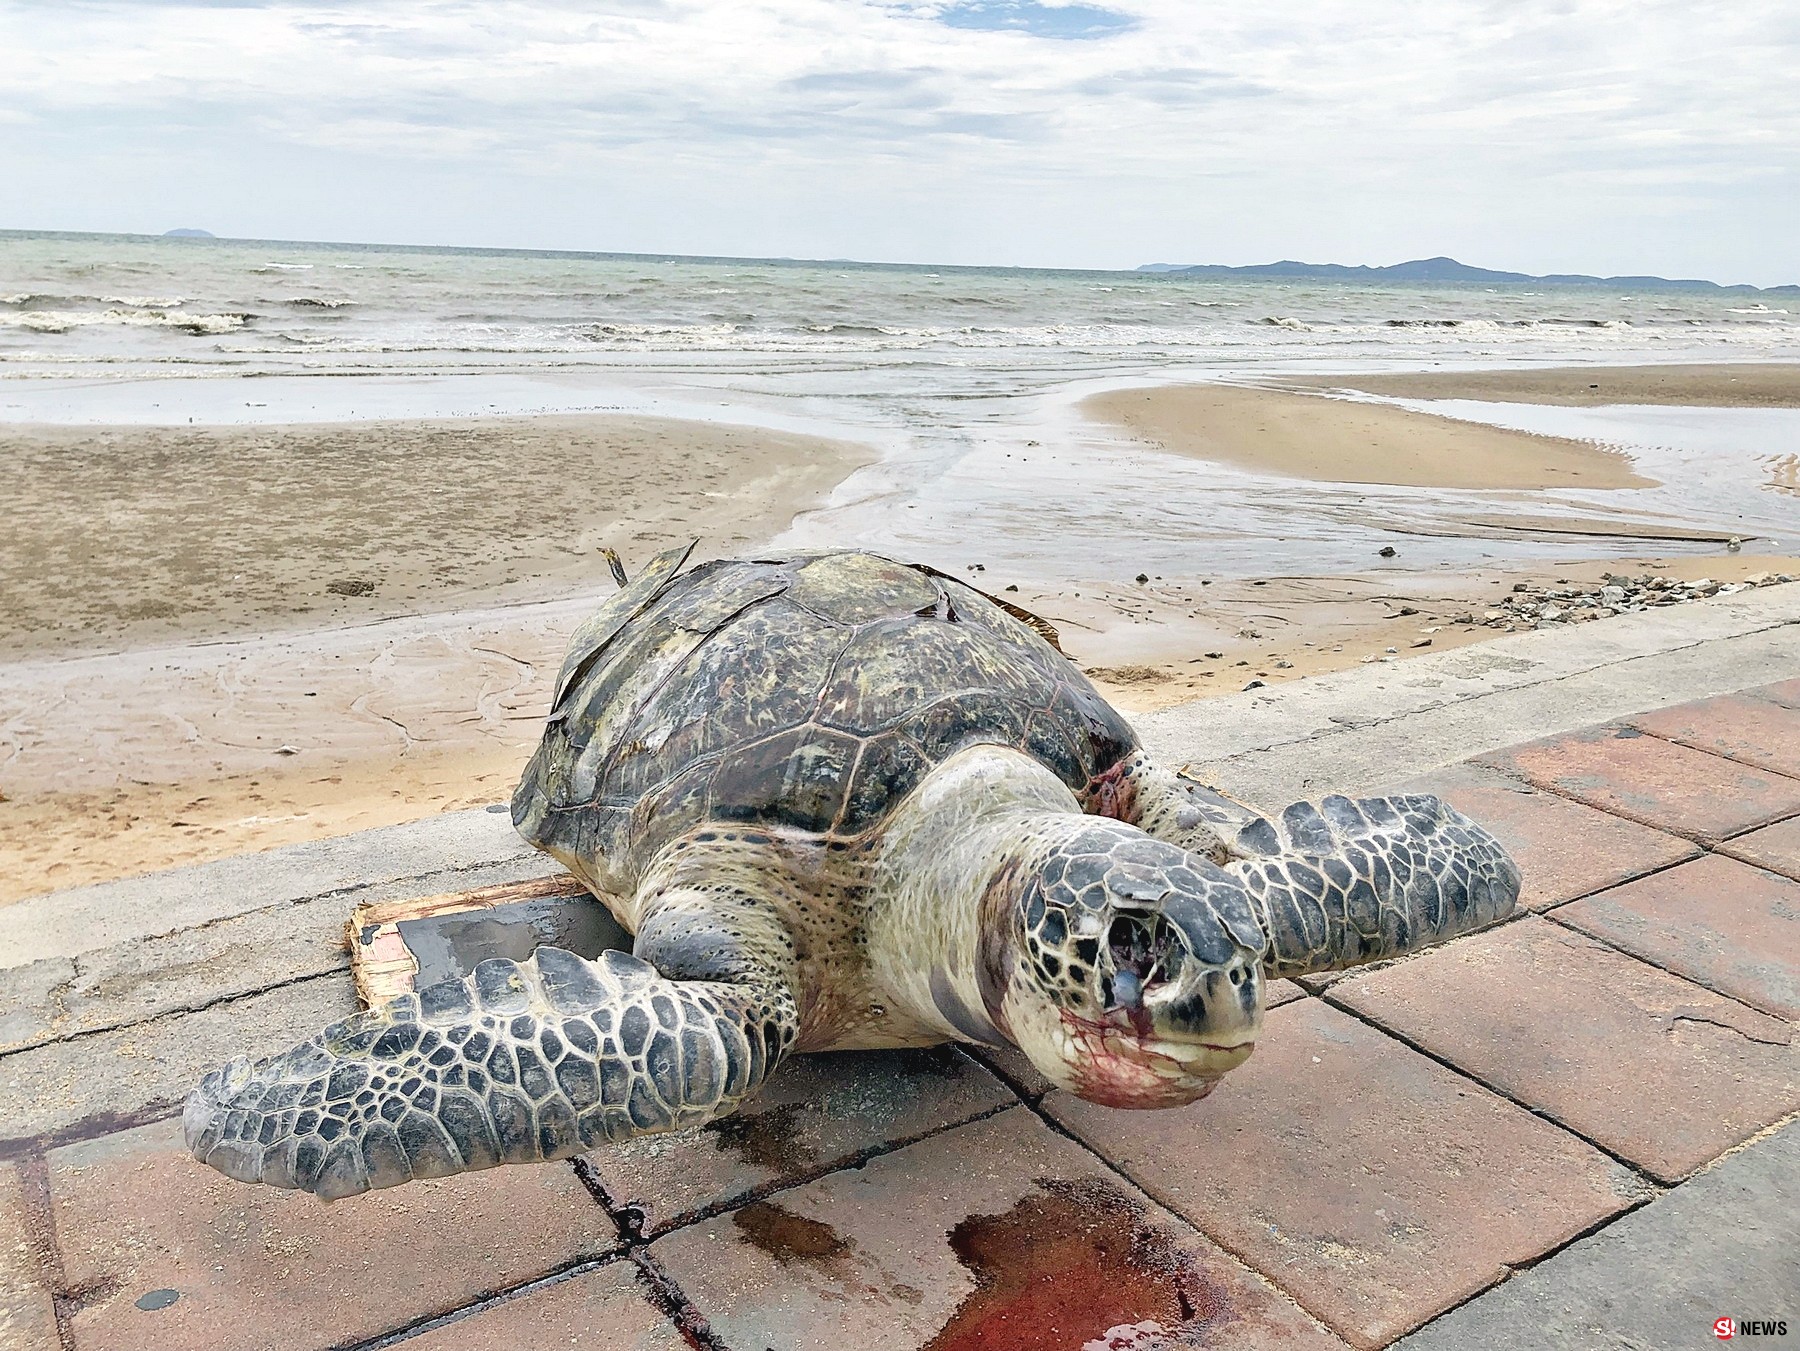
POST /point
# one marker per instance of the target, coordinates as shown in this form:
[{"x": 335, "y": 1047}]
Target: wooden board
[{"x": 381, "y": 962}]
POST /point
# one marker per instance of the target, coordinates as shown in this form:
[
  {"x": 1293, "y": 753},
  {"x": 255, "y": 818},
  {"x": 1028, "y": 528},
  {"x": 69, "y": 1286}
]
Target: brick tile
[
  {"x": 1757, "y": 731},
  {"x": 1775, "y": 847},
  {"x": 1283, "y": 992},
  {"x": 1731, "y": 927},
  {"x": 1653, "y": 1067},
  {"x": 266, "y": 1270},
  {"x": 1564, "y": 849},
  {"x": 1015, "y": 1068},
  {"x": 820, "y": 1112},
  {"x": 27, "y": 1318},
  {"x": 1652, "y": 1279},
  {"x": 605, "y": 1308},
  {"x": 1000, "y": 1235},
  {"x": 1371, "y": 1183},
  {"x": 1674, "y": 788},
  {"x": 1783, "y": 692}
]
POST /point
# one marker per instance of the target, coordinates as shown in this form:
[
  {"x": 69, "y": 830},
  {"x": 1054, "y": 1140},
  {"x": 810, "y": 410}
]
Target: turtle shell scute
[
  {"x": 1093, "y": 727},
  {"x": 1048, "y": 741},
  {"x": 759, "y": 677},
  {"x": 685, "y": 798},
  {"x": 894, "y": 667},
  {"x": 889, "y": 768},
  {"x": 969, "y": 718},
  {"x": 854, "y": 589},
  {"x": 797, "y": 778}
]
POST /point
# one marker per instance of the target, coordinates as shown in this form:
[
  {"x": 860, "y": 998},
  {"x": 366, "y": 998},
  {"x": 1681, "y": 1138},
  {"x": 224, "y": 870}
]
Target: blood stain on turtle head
[{"x": 1076, "y": 1265}]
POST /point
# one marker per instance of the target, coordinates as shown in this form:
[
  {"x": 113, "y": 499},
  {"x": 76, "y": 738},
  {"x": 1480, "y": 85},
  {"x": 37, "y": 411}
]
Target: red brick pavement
[{"x": 1404, "y": 1136}]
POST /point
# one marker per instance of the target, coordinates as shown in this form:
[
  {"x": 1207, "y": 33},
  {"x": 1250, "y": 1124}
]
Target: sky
[{"x": 1605, "y": 136}]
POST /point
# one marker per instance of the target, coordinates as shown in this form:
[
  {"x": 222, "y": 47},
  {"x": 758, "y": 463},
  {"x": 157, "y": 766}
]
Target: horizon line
[{"x": 1144, "y": 270}]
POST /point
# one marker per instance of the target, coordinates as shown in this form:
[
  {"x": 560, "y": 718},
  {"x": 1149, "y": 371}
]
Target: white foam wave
[
  {"x": 144, "y": 302},
  {"x": 62, "y": 321},
  {"x": 284, "y": 267}
]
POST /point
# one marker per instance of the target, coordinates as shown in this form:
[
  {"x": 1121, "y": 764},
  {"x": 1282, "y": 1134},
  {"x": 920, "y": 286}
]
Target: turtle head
[{"x": 1137, "y": 976}]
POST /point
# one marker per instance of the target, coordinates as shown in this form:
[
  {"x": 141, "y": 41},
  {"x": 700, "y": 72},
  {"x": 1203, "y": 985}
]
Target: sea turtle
[{"x": 842, "y": 802}]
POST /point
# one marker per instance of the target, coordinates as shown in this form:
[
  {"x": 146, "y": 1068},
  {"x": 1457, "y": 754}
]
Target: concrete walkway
[{"x": 1575, "y": 1129}]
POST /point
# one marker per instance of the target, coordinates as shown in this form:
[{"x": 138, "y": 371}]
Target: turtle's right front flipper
[{"x": 516, "y": 1063}]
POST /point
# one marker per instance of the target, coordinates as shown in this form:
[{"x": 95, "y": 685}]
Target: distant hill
[
  {"x": 189, "y": 234},
  {"x": 1435, "y": 270}
]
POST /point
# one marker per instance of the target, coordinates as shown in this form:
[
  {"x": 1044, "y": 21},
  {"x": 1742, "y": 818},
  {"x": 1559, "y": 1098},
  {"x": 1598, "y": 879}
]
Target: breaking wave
[{"x": 64, "y": 321}]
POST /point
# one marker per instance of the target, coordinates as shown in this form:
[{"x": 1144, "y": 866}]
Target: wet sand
[
  {"x": 1302, "y": 435},
  {"x": 1696, "y": 386},
  {"x": 123, "y": 537}
]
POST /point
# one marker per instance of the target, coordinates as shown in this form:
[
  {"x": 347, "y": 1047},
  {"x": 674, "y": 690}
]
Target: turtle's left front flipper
[
  {"x": 1341, "y": 882},
  {"x": 516, "y": 1063}
]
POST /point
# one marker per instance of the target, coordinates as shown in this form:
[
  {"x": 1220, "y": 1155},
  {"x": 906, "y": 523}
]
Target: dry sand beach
[{"x": 229, "y": 639}]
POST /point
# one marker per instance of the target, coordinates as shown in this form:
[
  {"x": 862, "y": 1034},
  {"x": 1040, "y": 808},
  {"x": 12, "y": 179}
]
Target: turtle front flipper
[
  {"x": 1343, "y": 882},
  {"x": 516, "y": 1063}
]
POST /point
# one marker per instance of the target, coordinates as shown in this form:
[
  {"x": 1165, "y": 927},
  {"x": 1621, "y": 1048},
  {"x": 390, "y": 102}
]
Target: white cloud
[{"x": 1557, "y": 134}]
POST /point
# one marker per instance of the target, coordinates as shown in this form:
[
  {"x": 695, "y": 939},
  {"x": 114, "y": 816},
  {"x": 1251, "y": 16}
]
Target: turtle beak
[{"x": 1178, "y": 973}]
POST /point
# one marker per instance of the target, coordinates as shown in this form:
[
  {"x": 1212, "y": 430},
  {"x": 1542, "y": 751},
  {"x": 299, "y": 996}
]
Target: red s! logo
[{"x": 1724, "y": 1329}]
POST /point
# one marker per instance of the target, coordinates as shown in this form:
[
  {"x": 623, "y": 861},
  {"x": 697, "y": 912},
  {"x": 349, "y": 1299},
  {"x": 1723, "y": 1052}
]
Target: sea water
[
  {"x": 135, "y": 305},
  {"x": 964, "y": 379}
]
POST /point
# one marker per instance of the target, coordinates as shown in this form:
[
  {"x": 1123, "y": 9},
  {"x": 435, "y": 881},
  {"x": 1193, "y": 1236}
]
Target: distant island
[
  {"x": 185, "y": 233},
  {"x": 1439, "y": 270}
]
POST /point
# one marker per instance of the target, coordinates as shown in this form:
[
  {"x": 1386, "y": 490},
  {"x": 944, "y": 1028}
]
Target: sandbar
[
  {"x": 1334, "y": 440},
  {"x": 1696, "y": 386}
]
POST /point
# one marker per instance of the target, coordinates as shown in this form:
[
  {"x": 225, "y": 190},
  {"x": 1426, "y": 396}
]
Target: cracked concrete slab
[
  {"x": 440, "y": 853},
  {"x": 1352, "y": 731},
  {"x": 60, "y": 997},
  {"x": 127, "y": 982},
  {"x": 1641, "y": 1282},
  {"x": 117, "y": 1076}
]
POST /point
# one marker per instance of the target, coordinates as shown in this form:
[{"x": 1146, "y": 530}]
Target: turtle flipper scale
[
  {"x": 516, "y": 1063},
  {"x": 1341, "y": 883}
]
